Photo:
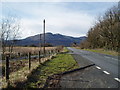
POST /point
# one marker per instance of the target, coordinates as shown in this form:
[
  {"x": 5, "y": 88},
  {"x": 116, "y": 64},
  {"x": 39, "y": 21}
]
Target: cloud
[
  {"x": 30, "y": 27},
  {"x": 60, "y": 1},
  {"x": 60, "y": 18}
]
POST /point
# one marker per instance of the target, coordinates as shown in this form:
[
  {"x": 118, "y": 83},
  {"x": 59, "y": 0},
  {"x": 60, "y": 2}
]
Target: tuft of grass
[{"x": 61, "y": 63}]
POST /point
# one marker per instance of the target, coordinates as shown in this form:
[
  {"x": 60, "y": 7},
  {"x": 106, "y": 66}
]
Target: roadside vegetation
[
  {"x": 18, "y": 74},
  {"x": 108, "y": 52},
  {"x": 60, "y": 63},
  {"x": 36, "y": 77},
  {"x": 105, "y": 33},
  {"x": 102, "y": 51}
]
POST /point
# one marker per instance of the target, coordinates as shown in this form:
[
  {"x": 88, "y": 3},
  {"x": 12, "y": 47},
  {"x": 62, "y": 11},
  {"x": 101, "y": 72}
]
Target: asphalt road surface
[
  {"x": 109, "y": 64},
  {"x": 104, "y": 74}
]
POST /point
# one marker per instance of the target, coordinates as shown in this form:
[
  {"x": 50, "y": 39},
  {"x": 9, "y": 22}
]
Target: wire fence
[{"x": 29, "y": 59}]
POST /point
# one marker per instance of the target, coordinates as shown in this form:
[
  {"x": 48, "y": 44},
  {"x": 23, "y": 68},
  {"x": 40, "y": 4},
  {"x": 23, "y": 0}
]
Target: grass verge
[
  {"x": 108, "y": 52},
  {"x": 60, "y": 63},
  {"x": 102, "y": 51}
]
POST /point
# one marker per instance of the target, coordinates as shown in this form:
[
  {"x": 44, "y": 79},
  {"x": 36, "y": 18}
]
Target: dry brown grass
[
  {"x": 30, "y": 49},
  {"x": 22, "y": 74}
]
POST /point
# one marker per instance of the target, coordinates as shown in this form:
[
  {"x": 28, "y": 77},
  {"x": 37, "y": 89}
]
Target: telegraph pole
[
  {"x": 40, "y": 42},
  {"x": 44, "y": 36}
]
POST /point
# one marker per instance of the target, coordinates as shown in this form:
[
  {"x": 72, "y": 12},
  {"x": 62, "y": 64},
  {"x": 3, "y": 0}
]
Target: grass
[
  {"x": 14, "y": 65},
  {"x": 108, "y": 52},
  {"x": 61, "y": 63},
  {"x": 23, "y": 51},
  {"x": 20, "y": 75},
  {"x": 102, "y": 51},
  {"x": 65, "y": 49},
  {"x": 29, "y": 49},
  {"x": 36, "y": 77}
]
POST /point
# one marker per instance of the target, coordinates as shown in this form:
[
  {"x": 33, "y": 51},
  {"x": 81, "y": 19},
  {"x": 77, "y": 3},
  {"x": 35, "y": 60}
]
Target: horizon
[
  {"x": 67, "y": 18},
  {"x": 53, "y": 34}
]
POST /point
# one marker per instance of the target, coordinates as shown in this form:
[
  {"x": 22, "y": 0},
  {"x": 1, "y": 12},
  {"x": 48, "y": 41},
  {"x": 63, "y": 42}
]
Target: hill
[{"x": 54, "y": 39}]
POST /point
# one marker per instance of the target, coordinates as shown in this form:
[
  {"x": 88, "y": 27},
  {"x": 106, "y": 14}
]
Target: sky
[{"x": 67, "y": 18}]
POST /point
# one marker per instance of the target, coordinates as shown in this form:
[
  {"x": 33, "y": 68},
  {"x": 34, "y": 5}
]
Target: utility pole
[
  {"x": 40, "y": 43},
  {"x": 44, "y": 36}
]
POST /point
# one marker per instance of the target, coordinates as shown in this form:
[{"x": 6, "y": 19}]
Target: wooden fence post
[
  {"x": 29, "y": 58},
  {"x": 49, "y": 53},
  {"x": 46, "y": 53},
  {"x": 7, "y": 68},
  {"x": 54, "y": 51},
  {"x": 39, "y": 57}
]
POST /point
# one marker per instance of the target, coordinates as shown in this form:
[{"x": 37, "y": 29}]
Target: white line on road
[
  {"x": 98, "y": 67},
  {"x": 106, "y": 72},
  {"x": 117, "y": 79},
  {"x": 115, "y": 59},
  {"x": 111, "y": 58}
]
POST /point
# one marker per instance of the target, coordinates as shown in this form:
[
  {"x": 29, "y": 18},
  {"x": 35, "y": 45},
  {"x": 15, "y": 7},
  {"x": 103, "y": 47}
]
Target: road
[{"x": 109, "y": 64}]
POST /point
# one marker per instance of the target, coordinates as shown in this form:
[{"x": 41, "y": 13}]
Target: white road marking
[
  {"x": 117, "y": 79},
  {"x": 106, "y": 72},
  {"x": 98, "y": 67},
  {"x": 115, "y": 59},
  {"x": 111, "y": 58}
]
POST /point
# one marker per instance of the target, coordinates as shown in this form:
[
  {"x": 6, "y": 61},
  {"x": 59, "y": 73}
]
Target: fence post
[
  {"x": 19, "y": 54},
  {"x": 46, "y": 53},
  {"x": 39, "y": 57},
  {"x": 7, "y": 68},
  {"x": 56, "y": 51},
  {"x": 29, "y": 58},
  {"x": 49, "y": 53}
]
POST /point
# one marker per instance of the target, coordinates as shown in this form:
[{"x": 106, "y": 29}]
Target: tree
[
  {"x": 10, "y": 27},
  {"x": 105, "y": 33}
]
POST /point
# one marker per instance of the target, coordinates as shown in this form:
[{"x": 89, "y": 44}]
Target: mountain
[{"x": 54, "y": 39}]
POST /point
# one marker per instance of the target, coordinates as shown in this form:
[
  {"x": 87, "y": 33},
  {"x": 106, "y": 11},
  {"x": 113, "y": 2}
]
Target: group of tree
[
  {"x": 9, "y": 32},
  {"x": 46, "y": 45},
  {"x": 40, "y": 44},
  {"x": 106, "y": 32}
]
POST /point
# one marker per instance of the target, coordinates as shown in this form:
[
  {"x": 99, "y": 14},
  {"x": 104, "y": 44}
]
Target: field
[
  {"x": 29, "y": 49},
  {"x": 51, "y": 64},
  {"x": 23, "y": 51},
  {"x": 21, "y": 62}
]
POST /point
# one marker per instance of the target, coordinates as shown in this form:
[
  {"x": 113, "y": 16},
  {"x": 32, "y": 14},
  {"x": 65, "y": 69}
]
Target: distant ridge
[{"x": 53, "y": 39}]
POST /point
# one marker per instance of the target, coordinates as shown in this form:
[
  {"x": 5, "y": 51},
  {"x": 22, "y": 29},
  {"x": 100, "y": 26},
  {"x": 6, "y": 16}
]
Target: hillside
[{"x": 54, "y": 39}]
